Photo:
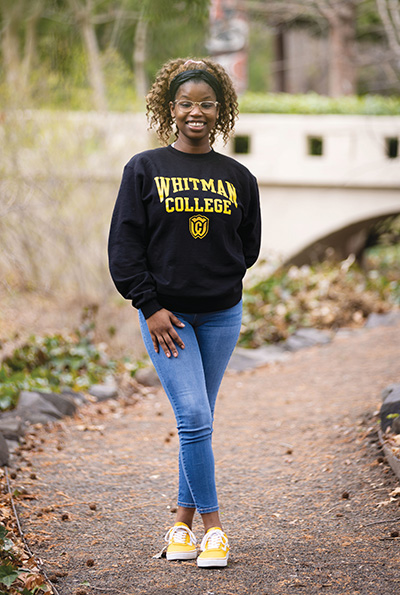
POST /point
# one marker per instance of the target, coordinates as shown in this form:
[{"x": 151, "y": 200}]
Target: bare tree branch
[
  {"x": 390, "y": 13},
  {"x": 394, "y": 8},
  {"x": 84, "y": 16}
]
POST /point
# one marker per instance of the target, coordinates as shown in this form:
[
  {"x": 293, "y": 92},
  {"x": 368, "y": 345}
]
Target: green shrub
[
  {"x": 50, "y": 364},
  {"x": 18, "y": 574},
  {"x": 314, "y": 104},
  {"x": 324, "y": 296}
]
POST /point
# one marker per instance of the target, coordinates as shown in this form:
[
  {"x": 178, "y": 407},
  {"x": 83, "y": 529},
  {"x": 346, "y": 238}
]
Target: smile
[{"x": 193, "y": 124}]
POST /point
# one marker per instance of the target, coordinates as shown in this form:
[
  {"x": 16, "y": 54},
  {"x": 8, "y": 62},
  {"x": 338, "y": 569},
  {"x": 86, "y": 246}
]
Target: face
[{"x": 195, "y": 126}]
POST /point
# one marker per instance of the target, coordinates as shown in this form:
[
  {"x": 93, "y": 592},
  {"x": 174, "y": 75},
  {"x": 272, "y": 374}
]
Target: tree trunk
[
  {"x": 11, "y": 53},
  {"x": 342, "y": 72},
  {"x": 30, "y": 48},
  {"x": 280, "y": 74},
  {"x": 96, "y": 76},
  {"x": 389, "y": 12},
  {"x": 139, "y": 57},
  {"x": 82, "y": 12}
]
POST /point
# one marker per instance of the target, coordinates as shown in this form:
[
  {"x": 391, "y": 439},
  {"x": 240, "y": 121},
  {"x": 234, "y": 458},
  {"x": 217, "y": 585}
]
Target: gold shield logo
[{"x": 198, "y": 226}]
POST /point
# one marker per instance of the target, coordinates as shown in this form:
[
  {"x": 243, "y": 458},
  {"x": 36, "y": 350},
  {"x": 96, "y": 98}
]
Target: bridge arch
[{"x": 351, "y": 239}]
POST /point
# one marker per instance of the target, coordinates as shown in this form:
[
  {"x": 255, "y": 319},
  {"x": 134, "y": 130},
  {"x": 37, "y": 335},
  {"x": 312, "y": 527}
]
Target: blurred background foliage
[
  {"x": 312, "y": 103},
  {"x": 326, "y": 295},
  {"x": 86, "y": 54},
  {"x": 101, "y": 54}
]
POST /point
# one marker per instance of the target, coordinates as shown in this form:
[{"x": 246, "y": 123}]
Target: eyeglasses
[{"x": 206, "y": 106}]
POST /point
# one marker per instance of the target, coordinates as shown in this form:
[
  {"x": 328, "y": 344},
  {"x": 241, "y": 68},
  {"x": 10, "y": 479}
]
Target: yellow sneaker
[
  {"x": 214, "y": 549},
  {"x": 181, "y": 543}
]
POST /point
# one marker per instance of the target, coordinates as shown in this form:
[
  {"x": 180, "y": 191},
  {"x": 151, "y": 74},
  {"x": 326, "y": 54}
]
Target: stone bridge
[{"x": 324, "y": 180}]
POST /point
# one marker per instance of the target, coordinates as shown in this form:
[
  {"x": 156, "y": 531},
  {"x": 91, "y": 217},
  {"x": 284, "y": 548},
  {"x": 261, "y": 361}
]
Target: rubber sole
[
  {"x": 181, "y": 556},
  {"x": 212, "y": 562}
]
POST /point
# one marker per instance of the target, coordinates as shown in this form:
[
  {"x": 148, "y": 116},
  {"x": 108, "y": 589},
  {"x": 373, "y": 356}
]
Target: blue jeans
[{"x": 191, "y": 382}]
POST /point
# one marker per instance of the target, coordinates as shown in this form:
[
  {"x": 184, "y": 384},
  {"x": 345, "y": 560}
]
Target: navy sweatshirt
[{"x": 184, "y": 230}]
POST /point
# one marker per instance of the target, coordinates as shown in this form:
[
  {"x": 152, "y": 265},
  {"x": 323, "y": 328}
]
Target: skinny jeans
[{"x": 191, "y": 382}]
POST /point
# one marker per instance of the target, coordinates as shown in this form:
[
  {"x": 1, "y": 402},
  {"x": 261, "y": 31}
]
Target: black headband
[{"x": 188, "y": 75}]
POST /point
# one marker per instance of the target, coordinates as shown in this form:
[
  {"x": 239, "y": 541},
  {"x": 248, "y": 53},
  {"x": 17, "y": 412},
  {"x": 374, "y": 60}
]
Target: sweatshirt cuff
[{"x": 150, "y": 308}]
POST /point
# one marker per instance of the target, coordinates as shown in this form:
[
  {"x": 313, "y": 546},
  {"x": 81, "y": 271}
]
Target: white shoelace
[
  {"x": 177, "y": 534},
  {"x": 213, "y": 539}
]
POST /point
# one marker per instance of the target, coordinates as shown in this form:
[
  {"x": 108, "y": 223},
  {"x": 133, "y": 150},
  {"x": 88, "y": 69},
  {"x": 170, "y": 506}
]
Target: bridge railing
[{"x": 322, "y": 150}]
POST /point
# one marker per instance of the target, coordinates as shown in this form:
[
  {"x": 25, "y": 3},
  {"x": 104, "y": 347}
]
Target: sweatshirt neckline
[{"x": 198, "y": 156}]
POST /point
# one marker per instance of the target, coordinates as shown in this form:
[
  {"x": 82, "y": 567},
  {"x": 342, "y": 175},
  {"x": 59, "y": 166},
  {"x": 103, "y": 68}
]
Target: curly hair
[{"x": 157, "y": 101}]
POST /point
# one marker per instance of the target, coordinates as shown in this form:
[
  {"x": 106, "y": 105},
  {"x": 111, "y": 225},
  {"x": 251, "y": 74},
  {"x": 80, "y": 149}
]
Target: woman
[{"x": 186, "y": 225}]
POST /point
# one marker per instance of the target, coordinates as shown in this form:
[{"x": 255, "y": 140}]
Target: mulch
[{"x": 304, "y": 489}]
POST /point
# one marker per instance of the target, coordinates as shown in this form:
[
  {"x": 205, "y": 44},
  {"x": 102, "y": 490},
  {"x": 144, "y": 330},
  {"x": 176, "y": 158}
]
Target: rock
[
  {"x": 78, "y": 398},
  {"x": 102, "y": 392},
  {"x": 147, "y": 377},
  {"x": 390, "y": 409},
  {"x": 37, "y": 401},
  {"x": 307, "y": 337},
  {"x": 34, "y": 408},
  {"x": 12, "y": 446},
  {"x": 61, "y": 401},
  {"x": 396, "y": 425},
  {"x": 392, "y": 459},
  {"x": 38, "y": 417},
  {"x": 391, "y": 393},
  {"x": 248, "y": 359},
  {"x": 11, "y": 426},
  {"x": 345, "y": 332},
  {"x": 388, "y": 413},
  {"x": 386, "y": 319},
  {"x": 4, "y": 452},
  {"x": 37, "y": 408}
]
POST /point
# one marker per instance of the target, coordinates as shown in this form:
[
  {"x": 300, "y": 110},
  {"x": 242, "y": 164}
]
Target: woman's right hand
[{"x": 161, "y": 326}]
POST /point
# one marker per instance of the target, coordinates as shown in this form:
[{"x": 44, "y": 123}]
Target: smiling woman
[{"x": 185, "y": 228}]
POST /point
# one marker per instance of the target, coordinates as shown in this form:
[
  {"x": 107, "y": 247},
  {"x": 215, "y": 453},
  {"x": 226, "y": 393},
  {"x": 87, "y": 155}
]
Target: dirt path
[{"x": 300, "y": 484}]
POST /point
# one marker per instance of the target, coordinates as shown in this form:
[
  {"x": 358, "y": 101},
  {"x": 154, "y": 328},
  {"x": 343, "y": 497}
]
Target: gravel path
[{"x": 303, "y": 489}]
